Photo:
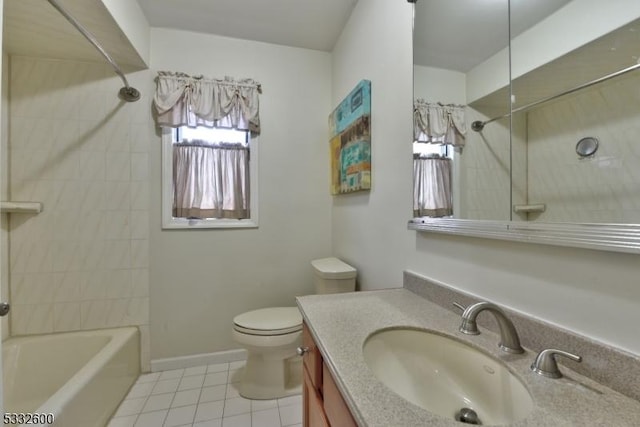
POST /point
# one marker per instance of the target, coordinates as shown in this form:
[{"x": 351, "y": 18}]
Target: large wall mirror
[{"x": 527, "y": 121}]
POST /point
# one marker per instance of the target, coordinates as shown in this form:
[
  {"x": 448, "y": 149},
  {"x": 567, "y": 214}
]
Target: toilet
[{"x": 272, "y": 335}]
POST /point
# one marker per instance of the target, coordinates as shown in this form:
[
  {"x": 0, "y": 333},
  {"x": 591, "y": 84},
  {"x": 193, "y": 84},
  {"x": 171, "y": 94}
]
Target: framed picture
[{"x": 350, "y": 141}]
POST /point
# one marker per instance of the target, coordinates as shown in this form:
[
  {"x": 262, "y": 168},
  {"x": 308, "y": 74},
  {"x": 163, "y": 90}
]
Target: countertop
[{"x": 340, "y": 324}]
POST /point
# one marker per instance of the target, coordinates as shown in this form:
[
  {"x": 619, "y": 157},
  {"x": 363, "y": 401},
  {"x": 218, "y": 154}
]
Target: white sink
[{"x": 443, "y": 375}]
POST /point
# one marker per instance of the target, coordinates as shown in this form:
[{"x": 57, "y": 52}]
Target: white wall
[
  {"x": 439, "y": 85},
  {"x": 590, "y": 292},
  {"x": 201, "y": 279},
  {"x": 133, "y": 24},
  {"x": 369, "y": 228},
  {"x": 572, "y": 26}
]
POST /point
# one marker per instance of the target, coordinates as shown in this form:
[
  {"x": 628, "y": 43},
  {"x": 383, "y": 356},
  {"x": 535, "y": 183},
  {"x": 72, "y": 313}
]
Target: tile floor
[{"x": 203, "y": 396}]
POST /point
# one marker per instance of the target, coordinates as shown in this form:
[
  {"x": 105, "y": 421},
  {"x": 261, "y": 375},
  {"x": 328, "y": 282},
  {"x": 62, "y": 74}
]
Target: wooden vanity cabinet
[{"x": 323, "y": 405}]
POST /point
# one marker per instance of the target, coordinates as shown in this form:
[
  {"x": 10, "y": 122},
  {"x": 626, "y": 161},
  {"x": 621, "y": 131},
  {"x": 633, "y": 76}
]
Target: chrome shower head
[
  {"x": 129, "y": 94},
  {"x": 477, "y": 126}
]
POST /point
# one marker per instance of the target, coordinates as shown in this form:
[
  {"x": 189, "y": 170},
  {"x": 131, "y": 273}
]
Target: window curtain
[
  {"x": 432, "y": 187},
  {"x": 183, "y": 100},
  {"x": 438, "y": 123},
  {"x": 210, "y": 181}
]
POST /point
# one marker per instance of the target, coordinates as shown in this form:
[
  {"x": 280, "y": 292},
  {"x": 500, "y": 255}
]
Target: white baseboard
[{"x": 180, "y": 362}]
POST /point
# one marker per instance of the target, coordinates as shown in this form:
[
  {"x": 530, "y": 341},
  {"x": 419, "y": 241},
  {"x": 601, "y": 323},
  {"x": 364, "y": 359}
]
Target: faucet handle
[{"x": 545, "y": 363}]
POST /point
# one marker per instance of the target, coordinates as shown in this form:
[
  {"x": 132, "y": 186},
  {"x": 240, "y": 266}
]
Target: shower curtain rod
[
  {"x": 127, "y": 93},
  {"x": 479, "y": 125}
]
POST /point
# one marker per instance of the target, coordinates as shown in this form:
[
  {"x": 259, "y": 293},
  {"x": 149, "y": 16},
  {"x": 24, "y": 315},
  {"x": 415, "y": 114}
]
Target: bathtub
[{"x": 80, "y": 377}]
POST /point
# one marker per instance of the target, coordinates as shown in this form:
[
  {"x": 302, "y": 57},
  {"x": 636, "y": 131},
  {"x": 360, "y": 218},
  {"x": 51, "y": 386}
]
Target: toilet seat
[{"x": 269, "y": 321}]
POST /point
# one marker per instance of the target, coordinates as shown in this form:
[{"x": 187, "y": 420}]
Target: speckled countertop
[{"x": 341, "y": 323}]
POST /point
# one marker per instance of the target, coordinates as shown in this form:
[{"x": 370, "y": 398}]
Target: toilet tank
[{"x": 331, "y": 276}]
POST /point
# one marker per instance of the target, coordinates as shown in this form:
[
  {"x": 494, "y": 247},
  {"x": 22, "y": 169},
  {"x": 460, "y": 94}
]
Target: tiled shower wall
[
  {"x": 74, "y": 146},
  {"x": 485, "y": 169},
  {"x": 603, "y": 188}
]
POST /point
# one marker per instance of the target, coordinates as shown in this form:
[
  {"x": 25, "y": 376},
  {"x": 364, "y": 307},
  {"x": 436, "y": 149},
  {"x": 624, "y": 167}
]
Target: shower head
[
  {"x": 477, "y": 125},
  {"x": 129, "y": 94}
]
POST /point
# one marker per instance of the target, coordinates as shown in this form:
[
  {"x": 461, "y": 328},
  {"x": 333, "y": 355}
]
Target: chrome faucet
[{"x": 509, "y": 340}]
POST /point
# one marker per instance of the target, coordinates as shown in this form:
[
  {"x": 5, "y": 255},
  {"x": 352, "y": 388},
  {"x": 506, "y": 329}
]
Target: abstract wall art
[{"x": 350, "y": 141}]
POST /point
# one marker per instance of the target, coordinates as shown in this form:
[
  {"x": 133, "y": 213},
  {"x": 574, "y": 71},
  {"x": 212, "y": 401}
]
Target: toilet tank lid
[
  {"x": 333, "y": 268},
  {"x": 270, "y": 319}
]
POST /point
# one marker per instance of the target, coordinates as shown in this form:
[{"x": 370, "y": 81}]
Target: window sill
[{"x": 185, "y": 224}]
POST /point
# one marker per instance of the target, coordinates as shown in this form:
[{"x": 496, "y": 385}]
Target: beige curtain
[
  {"x": 210, "y": 181},
  {"x": 183, "y": 100},
  {"x": 432, "y": 187},
  {"x": 439, "y": 123}
]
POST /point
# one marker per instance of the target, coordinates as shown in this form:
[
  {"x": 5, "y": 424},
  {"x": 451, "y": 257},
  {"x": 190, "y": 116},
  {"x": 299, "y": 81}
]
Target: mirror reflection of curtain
[
  {"x": 432, "y": 187},
  {"x": 439, "y": 123}
]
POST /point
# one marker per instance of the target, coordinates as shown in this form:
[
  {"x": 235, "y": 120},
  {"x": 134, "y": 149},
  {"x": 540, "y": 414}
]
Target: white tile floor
[{"x": 203, "y": 396}]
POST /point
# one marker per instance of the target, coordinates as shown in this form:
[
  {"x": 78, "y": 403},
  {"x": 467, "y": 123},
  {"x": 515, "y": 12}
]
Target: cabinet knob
[{"x": 302, "y": 350}]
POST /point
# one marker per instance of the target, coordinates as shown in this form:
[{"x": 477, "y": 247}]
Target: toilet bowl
[{"x": 271, "y": 336}]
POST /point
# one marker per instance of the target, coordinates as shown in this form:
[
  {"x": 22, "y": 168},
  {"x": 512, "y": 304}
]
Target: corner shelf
[{"x": 21, "y": 207}]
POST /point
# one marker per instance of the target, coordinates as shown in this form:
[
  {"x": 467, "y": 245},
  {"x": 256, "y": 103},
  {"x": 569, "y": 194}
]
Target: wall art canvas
[{"x": 350, "y": 141}]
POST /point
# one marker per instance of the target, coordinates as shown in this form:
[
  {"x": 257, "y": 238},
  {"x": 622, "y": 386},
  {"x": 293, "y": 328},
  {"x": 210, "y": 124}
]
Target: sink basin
[{"x": 444, "y": 375}]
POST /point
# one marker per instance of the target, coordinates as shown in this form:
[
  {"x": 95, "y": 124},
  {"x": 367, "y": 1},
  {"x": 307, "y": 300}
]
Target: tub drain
[{"x": 468, "y": 416}]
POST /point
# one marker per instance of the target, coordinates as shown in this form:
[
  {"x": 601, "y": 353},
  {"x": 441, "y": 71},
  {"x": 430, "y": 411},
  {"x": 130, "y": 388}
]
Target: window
[
  {"x": 421, "y": 149},
  {"x": 209, "y": 178}
]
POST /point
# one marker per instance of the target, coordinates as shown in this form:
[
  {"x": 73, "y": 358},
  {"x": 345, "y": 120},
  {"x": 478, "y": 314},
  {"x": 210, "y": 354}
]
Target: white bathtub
[{"x": 80, "y": 377}]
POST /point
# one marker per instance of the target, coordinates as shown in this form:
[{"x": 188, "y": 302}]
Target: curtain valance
[
  {"x": 438, "y": 123},
  {"x": 183, "y": 100}
]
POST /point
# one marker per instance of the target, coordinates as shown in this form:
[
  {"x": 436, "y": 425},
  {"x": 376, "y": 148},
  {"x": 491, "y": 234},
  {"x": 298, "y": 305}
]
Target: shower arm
[{"x": 127, "y": 93}]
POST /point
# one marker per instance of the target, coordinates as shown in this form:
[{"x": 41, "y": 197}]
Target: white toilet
[{"x": 271, "y": 336}]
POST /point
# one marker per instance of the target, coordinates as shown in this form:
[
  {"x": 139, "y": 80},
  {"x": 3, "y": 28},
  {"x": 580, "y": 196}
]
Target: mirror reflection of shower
[{"x": 529, "y": 101}]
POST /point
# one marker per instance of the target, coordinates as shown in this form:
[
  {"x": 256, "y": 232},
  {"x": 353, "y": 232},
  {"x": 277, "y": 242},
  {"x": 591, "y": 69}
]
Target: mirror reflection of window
[
  {"x": 460, "y": 58},
  {"x": 431, "y": 150},
  {"x": 432, "y": 190},
  {"x": 437, "y": 128}
]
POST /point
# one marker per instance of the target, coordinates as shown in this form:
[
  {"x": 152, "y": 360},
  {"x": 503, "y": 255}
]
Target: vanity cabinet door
[
  {"x": 335, "y": 407},
  {"x": 322, "y": 403},
  {"x": 312, "y": 359},
  {"x": 313, "y": 411}
]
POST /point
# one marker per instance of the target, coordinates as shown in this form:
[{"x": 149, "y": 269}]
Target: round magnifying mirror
[{"x": 587, "y": 146}]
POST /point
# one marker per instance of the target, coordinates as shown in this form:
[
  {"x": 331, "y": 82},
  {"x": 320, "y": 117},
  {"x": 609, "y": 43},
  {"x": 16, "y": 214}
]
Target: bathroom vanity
[
  {"x": 343, "y": 388},
  {"x": 323, "y": 404}
]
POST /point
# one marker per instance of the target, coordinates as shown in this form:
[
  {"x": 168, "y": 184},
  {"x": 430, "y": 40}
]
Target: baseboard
[{"x": 197, "y": 360}]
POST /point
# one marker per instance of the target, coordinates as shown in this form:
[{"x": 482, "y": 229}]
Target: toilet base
[{"x": 271, "y": 378}]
